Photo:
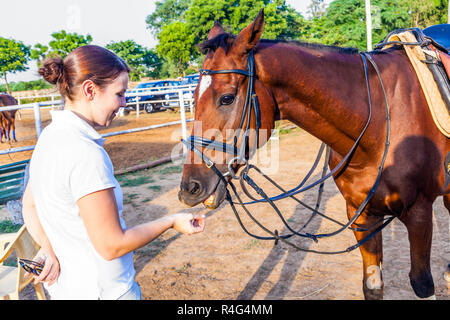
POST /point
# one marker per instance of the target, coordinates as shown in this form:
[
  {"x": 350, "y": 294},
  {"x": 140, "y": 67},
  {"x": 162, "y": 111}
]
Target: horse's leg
[
  {"x": 447, "y": 205},
  {"x": 13, "y": 130},
  {"x": 372, "y": 256},
  {"x": 420, "y": 228},
  {"x": 2, "y": 126},
  {"x": 7, "y": 132}
]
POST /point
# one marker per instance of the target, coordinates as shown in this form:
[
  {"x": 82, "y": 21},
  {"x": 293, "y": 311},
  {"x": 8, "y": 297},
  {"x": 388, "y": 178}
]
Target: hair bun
[{"x": 52, "y": 70}]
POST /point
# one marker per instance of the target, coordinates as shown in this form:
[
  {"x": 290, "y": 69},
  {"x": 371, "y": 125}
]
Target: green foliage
[
  {"x": 166, "y": 12},
  {"x": 64, "y": 42},
  {"x": 14, "y": 56},
  {"x": 61, "y": 45},
  {"x": 26, "y": 85},
  {"x": 181, "y": 24},
  {"x": 38, "y": 53},
  {"x": 140, "y": 60},
  {"x": 176, "y": 43},
  {"x": 344, "y": 23}
]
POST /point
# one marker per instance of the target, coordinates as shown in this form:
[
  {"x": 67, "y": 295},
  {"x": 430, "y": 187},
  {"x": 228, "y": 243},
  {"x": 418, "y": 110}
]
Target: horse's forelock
[{"x": 219, "y": 41}]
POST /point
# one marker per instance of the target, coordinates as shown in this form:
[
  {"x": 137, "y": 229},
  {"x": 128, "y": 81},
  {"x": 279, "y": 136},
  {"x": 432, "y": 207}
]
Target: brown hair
[{"x": 88, "y": 62}]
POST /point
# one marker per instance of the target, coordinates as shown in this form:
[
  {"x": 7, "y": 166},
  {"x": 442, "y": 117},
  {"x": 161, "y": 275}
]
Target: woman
[{"x": 73, "y": 204}]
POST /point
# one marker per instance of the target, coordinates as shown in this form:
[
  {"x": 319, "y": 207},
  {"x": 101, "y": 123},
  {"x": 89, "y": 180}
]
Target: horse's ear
[
  {"x": 216, "y": 30},
  {"x": 248, "y": 38}
]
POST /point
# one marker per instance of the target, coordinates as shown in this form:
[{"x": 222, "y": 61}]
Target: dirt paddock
[{"x": 223, "y": 262}]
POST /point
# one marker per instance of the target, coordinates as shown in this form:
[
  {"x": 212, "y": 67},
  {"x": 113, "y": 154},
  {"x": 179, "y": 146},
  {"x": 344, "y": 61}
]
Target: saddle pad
[{"x": 430, "y": 89}]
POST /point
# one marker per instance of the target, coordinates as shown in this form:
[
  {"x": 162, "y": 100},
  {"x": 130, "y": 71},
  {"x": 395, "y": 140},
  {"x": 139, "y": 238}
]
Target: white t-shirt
[{"x": 69, "y": 162}]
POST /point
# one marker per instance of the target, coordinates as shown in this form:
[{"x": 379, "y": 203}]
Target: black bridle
[{"x": 242, "y": 153}]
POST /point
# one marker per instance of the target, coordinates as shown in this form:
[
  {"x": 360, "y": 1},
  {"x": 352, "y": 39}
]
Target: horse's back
[{"x": 7, "y": 100}]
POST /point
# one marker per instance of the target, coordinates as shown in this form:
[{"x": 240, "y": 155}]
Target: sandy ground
[{"x": 224, "y": 263}]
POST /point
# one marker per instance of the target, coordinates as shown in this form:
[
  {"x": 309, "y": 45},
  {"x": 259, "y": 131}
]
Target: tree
[
  {"x": 188, "y": 23},
  {"x": 38, "y": 53},
  {"x": 140, "y": 60},
  {"x": 344, "y": 21},
  {"x": 64, "y": 42},
  {"x": 14, "y": 56},
  {"x": 176, "y": 43},
  {"x": 237, "y": 14},
  {"x": 166, "y": 12}
]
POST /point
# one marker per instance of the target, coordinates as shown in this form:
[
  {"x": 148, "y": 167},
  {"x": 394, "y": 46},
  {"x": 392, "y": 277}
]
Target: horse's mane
[
  {"x": 318, "y": 46},
  {"x": 219, "y": 41},
  {"x": 222, "y": 40}
]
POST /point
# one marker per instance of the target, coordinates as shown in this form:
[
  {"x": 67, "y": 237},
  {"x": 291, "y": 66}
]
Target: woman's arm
[
  {"x": 31, "y": 219},
  {"x": 46, "y": 255},
  {"x": 100, "y": 216}
]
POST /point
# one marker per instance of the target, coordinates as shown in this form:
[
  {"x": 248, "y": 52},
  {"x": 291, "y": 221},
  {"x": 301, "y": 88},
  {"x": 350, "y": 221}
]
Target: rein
[{"x": 242, "y": 156}]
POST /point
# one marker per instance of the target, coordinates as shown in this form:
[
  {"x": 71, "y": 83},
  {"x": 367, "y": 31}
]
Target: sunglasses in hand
[{"x": 31, "y": 266}]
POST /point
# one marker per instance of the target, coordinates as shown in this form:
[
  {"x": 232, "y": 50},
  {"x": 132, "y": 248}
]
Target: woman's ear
[{"x": 88, "y": 89}]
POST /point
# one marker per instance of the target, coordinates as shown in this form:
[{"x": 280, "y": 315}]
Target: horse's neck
[{"x": 321, "y": 91}]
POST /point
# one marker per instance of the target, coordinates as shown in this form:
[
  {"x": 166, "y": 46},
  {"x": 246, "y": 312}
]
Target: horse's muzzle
[{"x": 192, "y": 193}]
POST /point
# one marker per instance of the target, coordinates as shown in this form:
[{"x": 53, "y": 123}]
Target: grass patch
[
  {"x": 172, "y": 169},
  {"x": 7, "y": 226},
  {"x": 155, "y": 188},
  {"x": 126, "y": 181},
  {"x": 286, "y": 131}
]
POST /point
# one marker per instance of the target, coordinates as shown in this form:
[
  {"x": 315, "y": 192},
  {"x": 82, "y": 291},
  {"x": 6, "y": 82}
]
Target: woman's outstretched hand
[{"x": 188, "y": 223}]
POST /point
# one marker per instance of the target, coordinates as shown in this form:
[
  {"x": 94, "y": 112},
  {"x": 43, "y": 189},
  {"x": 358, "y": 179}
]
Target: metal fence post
[
  {"x": 53, "y": 102},
  {"x": 18, "y": 110},
  {"x": 191, "y": 106},
  {"x": 137, "y": 106},
  {"x": 37, "y": 119},
  {"x": 183, "y": 120}
]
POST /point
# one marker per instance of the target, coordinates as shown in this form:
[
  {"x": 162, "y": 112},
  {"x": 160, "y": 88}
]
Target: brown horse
[
  {"x": 323, "y": 90},
  {"x": 7, "y": 118}
]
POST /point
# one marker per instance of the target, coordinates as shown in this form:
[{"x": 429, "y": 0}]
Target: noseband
[{"x": 242, "y": 154}]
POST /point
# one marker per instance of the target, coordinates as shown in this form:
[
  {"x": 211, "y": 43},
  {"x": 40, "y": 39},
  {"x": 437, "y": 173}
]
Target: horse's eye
[{"x": 226, "y": 99}]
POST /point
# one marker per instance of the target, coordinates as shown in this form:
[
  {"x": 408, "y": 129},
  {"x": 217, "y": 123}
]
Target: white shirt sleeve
[{"x": 91, "y": 172}]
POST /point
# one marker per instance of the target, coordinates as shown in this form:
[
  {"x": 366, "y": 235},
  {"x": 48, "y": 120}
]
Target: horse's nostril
[{"x": 193, "y": 187}]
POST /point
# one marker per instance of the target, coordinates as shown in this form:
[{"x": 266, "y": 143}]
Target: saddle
[
  {"x": 428, "y": 52},
  {"x": 440, "y": 43}
]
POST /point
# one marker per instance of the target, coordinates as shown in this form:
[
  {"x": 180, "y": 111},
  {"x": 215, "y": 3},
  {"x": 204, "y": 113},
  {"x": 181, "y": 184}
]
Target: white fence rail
[{"x": 182, "y": 101}]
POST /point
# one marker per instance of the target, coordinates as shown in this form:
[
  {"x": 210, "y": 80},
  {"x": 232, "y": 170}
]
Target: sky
[{"x": 32, "y": 21}]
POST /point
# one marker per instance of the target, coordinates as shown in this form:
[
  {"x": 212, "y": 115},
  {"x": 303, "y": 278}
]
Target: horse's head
[{"x": 223, "y": 118}]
